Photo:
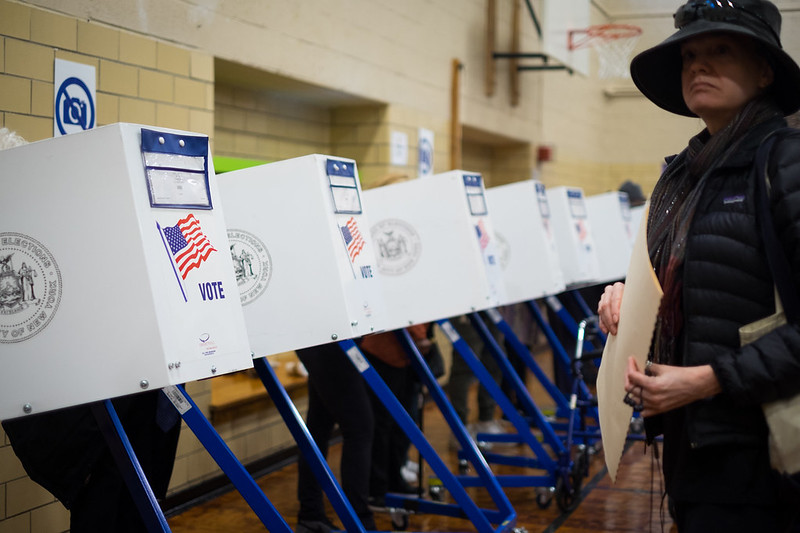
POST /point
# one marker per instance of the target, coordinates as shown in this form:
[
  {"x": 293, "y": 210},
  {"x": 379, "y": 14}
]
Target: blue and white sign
[
  {"x": 75, "y": 97},
  {"x": 425, "y": 152}
]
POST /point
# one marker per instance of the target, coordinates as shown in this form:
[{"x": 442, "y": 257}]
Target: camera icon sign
[{"x": 74, "y": 107}]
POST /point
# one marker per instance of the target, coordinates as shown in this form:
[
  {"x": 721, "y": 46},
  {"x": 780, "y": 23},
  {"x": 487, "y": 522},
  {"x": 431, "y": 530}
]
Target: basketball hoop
[{"x": 614, "y": 44}]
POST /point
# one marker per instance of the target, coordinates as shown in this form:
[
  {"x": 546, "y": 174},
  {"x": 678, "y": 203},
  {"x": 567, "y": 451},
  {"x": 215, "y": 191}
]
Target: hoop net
[{"x": 614, "y": 44}]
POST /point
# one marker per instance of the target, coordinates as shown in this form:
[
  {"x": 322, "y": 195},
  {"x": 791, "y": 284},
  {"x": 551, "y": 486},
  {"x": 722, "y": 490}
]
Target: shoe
[
  {"x": 412, "y": 466},
  {"x": 408, "y": 475},
  {"x": 493, "y": 427},
  {"x": 314, "y": 526}
]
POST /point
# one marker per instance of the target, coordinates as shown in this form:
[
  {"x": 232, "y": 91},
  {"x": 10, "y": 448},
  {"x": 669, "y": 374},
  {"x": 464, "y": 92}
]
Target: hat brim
[{"x": 657, "y": 71}]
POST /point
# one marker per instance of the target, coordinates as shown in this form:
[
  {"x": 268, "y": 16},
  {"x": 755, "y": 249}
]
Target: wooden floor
[{"x": 632, "y": 504}]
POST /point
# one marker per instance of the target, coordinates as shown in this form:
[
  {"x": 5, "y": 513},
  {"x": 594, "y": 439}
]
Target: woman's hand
[
  {"x": 662, "y": 388},
  {"x": 608, "y": 307}
]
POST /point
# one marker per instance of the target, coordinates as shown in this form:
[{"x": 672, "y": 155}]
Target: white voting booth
[
  {"x": 528, "y": 254},
  {"x": 436, "y": 254},
  {"x": 610, "y": 216},
  {"x": 302, "y": 253},
  {"x": 114, "y": 274},
  {"x": 573, "y": 235}
]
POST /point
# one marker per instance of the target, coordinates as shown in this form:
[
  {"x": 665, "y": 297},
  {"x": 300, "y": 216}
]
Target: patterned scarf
[{"x": 674, "y": 201}]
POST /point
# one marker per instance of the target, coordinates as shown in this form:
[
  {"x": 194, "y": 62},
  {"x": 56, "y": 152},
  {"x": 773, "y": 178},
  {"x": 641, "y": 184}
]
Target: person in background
[
  {"x": 700, "y": 388},
  {"x": 337, "y": 394},
  {"x": 65, "y": 451}
]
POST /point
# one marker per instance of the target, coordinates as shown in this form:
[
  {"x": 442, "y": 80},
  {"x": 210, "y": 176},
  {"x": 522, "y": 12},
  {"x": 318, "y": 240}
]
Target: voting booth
[
  {"x": 301, "y": 251},
  {"x": 435, "y": 249},
  {"x": 114, "y": 274},
  {"x": 527, "y": 251},
  {"x": 573, "y": 236},
  {"x": 610, "y": 217}
]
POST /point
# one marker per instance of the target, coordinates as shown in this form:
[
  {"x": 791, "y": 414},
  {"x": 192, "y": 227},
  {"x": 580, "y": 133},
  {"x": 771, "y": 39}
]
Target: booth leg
[
  {"x": 465, "y": 507},
  {"x": 129, "y": 466},
  {"x": 227, "y": 461},
  {"x": 307, "y": 446}
]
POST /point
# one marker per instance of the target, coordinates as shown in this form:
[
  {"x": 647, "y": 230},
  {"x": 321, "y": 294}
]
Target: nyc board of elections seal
[
  {"x": 30, "y": 287},
  {"x": 252, "y": 264},
  {"x": 503, "y": 249},
  {"x": 399, "y": 246}
]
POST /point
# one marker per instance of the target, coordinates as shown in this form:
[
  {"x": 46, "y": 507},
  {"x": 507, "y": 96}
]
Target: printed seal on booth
[
  {"x": 399, "y": 246},
  {"x": 503, "y": 249},
  {"x": 30, "y": 287},
  {"x": 252, "y": 264}
]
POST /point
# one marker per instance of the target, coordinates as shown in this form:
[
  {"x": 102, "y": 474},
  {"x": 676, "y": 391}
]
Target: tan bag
[{"x": 783, "y": 416}]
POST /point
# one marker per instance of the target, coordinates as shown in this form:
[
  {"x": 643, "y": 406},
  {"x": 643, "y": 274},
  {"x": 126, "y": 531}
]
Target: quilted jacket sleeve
[{"x": 769, "y": 368}]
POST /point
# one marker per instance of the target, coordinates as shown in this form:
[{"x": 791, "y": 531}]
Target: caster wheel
[
  {"x": 544, "y": 497},
  {"x": 568, "y": 499},
  {"x": 463, "y": 467}
]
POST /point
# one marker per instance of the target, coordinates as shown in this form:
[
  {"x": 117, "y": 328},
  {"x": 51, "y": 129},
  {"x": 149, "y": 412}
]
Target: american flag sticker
[
  {"x": 483, "y": 235},
  {"x": 187, "y": 244},
  {"x": 352, "y": 238}
]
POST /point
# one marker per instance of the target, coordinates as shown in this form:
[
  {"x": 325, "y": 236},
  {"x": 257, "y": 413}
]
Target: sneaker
[
  {"x": 493, "y": 427},
  {"x": 408, "y": 475},
  {"x": 412, "y": 466}
]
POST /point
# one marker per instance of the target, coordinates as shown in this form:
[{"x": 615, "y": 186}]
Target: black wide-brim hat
[{"x": 657, "y": 71}]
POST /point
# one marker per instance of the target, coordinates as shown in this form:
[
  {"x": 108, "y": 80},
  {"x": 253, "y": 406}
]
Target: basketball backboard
[{"x": 558, "y": 18}]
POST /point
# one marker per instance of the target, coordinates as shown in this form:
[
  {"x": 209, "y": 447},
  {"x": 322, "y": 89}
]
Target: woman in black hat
[{"x": 725, "y": 64}]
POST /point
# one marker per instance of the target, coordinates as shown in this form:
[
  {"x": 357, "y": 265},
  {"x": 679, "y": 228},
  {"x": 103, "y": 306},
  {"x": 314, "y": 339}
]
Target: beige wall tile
[
  {"x": 201, "y": 121},
  {"x": 24, "y": 495},
  {"x": 15, "y": 20},
  {"x": 2, "y": 501},
  {"x": 2, "y": 54},
  {"x": 54, "y": 30},
  {"x": 15, "y": 94},
  {"x": 78, "y": 58},
  {"x": 137, "y": 111},
  {"x": 193, "y": 93},
  {"x": 97, "y": 40},
  {"x": 172, "y": 116},
  {"x": 10, "y": 466},
  {"x": 137, "y": 50},
  {"x": 201, "y": 66},
  {"x": 53, "y": 517},
  {"x": 107, "y": 109},
  {"x": 172, "y": 59},
  {"x": 117, "y": 78},
  {"x": 17, "y": 524},
  {"x": 28, "y": 127},
  {"x": 200, "y": 465},
  {"x": 180, "y": 475},
  {"x": 42, "y": 99},
  {"x": 29, "y": 60},
  {"x": 156, "y": 86}
]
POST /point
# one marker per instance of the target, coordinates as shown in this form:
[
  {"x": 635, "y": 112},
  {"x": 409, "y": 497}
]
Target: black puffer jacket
[{"x": 727, "y": 283}]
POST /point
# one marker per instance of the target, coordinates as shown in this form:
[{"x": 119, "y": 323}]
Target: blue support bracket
[
  {"x": 227, "y": 461},
  {"x": 341, "y": 505},
  {"x": 523, "y": 396},
  {"x": 125, "y": 458},
  {"x": 465, "y": 507},
  {"x": 560, "y": 354}
]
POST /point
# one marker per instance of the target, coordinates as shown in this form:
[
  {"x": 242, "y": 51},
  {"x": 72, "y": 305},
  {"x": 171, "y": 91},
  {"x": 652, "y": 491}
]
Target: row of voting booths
[{"x": 128, "y": 265}]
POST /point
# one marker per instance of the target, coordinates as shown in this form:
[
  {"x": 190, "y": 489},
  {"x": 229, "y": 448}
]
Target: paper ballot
[{"x": 637, "y": 319}]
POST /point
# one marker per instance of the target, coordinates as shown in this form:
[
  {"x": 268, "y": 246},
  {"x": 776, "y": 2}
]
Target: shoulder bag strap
[{"x": 776, "y": 257}]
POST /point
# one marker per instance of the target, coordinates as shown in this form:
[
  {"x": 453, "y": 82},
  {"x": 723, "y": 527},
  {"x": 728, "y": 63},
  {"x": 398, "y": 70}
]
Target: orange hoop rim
[{"x": 602, "y": 32}]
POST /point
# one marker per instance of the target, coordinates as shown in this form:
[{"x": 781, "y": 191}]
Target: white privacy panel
[
  {"x": 302, "y": 253},
  {"x": 436, "y": 251},
  {"x": 115, "y": 276},
  {"x": 527, "y": 251}
]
